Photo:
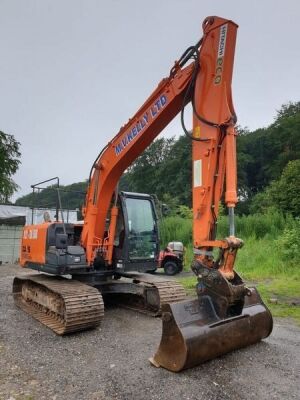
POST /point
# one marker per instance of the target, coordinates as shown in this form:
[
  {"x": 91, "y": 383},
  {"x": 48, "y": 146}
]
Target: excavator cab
[{"x": 136, "y": 245}]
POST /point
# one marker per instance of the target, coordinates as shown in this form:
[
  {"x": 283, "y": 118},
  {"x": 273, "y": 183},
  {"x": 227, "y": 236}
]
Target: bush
[
  {"x": 176, "y": 229},
  {"x": 184, "y": 212},
  {"x": 288, "y": 243},
  {"x": 282, "y": 193}
]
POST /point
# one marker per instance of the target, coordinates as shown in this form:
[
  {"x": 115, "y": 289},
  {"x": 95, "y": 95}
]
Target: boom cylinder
[
  {"x": 231, "y": 221},
  {"x": 231, "y": 168}
]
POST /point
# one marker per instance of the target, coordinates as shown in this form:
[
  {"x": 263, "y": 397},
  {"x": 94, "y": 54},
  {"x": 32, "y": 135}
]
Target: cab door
[{"x": 142, "y": 229}]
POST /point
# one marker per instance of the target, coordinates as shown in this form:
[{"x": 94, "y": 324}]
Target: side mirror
[
  {"x": 61, "y": 241},
  {"x": 165, "y": 210}
]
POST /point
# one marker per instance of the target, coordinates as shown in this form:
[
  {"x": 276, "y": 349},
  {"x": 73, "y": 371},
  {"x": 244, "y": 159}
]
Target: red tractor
[{"x": 171, "y": 258}]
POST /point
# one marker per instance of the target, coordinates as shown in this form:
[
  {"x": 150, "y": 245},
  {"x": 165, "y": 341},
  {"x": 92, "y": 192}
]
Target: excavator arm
[{"x": 206, "y": 82}]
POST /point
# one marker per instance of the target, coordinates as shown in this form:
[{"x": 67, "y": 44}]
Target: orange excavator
[{"x": 226, "y": 314}]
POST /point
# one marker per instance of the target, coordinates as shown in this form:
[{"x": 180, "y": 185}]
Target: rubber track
[
  {"x": 83, "y": 304},
  {"x": 169, "y": 292}
]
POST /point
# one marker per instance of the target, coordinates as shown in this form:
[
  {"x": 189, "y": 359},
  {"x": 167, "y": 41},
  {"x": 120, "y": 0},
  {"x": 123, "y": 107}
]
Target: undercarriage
[{"x": 68, "y": 305}]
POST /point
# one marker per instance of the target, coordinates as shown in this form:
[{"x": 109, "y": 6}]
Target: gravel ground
[{"x": 111, "y": 362}]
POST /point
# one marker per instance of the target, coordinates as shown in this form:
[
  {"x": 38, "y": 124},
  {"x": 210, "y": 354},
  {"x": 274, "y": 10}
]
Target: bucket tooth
[{"x": 192, "y": 332}]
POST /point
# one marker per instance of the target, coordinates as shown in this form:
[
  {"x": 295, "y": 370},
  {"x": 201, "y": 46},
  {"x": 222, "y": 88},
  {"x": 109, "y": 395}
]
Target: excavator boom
[{"x": 133, "y": 138}]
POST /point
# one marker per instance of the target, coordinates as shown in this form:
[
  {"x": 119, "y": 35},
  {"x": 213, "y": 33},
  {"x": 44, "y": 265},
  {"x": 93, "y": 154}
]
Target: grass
[
  {"x": 260, "y": 262},
  {"x": 285, "y": 290},
  {"x": 257, "y": 225},
  {"x": 260, "y": 259}
]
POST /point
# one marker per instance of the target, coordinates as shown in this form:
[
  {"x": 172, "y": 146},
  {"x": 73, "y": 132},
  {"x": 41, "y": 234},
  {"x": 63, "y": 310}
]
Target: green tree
[
  {"x": 287, "y": 110},
  {"x": 9, "y": 164},
  {"x": 263, "y": 154},
  {"x": 164, "y": 168},
  {"x": 282, "y": 194},
  {"x": 144, "y": 175},
  {"x": 176, "y": 173}
]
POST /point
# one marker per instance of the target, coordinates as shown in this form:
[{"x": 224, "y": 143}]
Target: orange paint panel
[{"x": 33, "y": 244}]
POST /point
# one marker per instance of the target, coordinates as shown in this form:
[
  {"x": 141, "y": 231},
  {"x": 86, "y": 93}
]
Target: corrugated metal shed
[
  {"x": 10, "y": 237},
  {"x": 36, "y": 215}
]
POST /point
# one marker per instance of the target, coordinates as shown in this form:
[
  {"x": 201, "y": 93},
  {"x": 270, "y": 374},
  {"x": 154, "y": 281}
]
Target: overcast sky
[{"x": 73, "y": 71}]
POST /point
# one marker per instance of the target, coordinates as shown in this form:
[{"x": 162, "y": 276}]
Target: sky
[{"x": 72, "y": 72}]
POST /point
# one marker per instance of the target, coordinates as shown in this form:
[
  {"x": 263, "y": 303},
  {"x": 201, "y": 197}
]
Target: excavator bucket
[{"x": 192, "y": 333}]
